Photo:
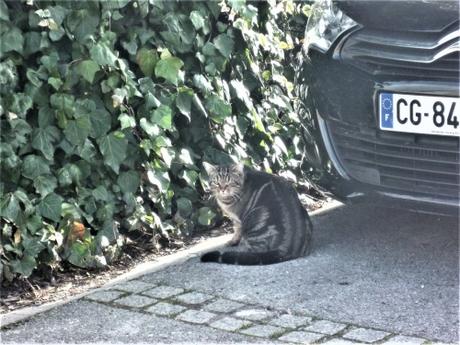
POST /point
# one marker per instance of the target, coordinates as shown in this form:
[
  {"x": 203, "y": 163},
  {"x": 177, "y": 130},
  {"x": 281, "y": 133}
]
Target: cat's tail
[{"x": 243, "y": 258}]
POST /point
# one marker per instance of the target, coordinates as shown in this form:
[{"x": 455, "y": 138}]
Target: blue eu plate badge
[{"x": 386, "y": 111}]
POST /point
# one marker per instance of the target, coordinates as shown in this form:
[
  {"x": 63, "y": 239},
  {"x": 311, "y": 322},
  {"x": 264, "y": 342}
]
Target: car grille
[
  {"x": 405, "y": 55},
  {"x": 399, "y": 161}
]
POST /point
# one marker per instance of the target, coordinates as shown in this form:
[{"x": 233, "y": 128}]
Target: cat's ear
[
  {"x": 209, "y": 168},
  {"x": 238, "y": 168}
]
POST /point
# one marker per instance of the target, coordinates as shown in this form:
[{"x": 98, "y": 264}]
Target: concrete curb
[{"x": 140, "y": 270}]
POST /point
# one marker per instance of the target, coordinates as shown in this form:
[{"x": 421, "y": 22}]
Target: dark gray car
[{"x": 379, "y": 84}]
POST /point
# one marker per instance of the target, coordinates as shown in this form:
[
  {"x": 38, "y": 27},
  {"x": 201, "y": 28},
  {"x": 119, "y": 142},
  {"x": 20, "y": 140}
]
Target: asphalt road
[
  {"x": 379, "y": 267},
  {"x": 372, "y": 267}
]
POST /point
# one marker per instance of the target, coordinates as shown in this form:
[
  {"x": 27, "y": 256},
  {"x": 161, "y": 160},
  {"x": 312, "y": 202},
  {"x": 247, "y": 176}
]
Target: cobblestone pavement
[{"x": 217, "y": 312}]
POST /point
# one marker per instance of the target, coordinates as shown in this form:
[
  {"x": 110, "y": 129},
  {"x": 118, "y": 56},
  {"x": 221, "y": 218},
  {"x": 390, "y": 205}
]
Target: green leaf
[
  {"x": 63, "y": 102},
  {"x": 87, "y": 151},
  {"x": 202, "y": 83},
  {"x": 205, "y": 216},
  {"x": 103, "y": 55},
  {"x": 45, "y": 184},
  {"x": 168, "y": 68},
  {"x": 186, "y": 157},
  {"x": 242, "y": 93},
  {"x": 84, "y": 22},
  {"x": 101, "y": 194},
  {"x": 127, "y": 121},
  {"x": 151, "y": 130},
  {"x": 114, "y": 4},
  {"x": 87, "y": 69},
  {"x": 162, "y": 117},
  {"x": 24, "y": 266},
  {"x": 197, "y": 19},
  {"x": 4, "y": 14},
  {"x": 80, "y": 255},
  {"x": 34, "y": 166},
  {"x": 101, "y": 121},
  {"x": 32, "y": 245},
  {"x": 56, "y": 83},
  {"x": 218, "y": 108},
  {"x": 159, "y": 179},
  {"x": 78, "y": 130},
  {"x": 50, "y": 207},
  {"x": 10, "y": 208},
  {"x": 184, "y": 206},
  {"x": 42, "y": 139},
  {"x": 21, "y": 104},
  {"x": 32, "y": 42},
  {"x": 184, "y": 101},
  {"x": 12, "y": 40},
  {"x": 224, "y": 43},
  {"x": 128, "y": 181},
  {"x": 190, "y": 176},
  {"x": 147, "y": 59},
  {"x": 113, "y": 148},
  {"x": 45, "y": 117}
]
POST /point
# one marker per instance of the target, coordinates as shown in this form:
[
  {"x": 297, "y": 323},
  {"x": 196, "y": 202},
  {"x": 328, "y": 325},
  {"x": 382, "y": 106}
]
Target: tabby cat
[{"x": 270, "y": 224}]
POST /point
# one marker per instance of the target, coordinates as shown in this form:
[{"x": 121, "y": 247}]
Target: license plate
[{"x": 435, "y": 115}]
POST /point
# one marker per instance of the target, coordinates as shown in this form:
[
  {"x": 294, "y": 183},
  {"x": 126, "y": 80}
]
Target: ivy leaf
[
  {"x": 113, "y": 148},
  {"x": 82, "y": 23},
  {"x": 34, "y": 166},
  {"x": 101, "y": 121},
  {"x": 241, "y": 93},
  {"x": 21, "y": 103},
  {"x": 87, "y": 151},
  {"x": 205, "y": 216},
  {"x": 159, "y": 179},
  {"x": 24, "y": 266},
  {"x": 45, "y": 184},
  {"x": 32, "y": 245},
  {"x": 147, "y": 59},
  {"x": 224, "y": 44},
  {"x": 197, "y": 19},
  {"x": 168, "y": 68},
  {"x": 151, "y": 130},
  {"x": 162, "y": 116},
  {"x": 103, "y": 55},
  {"x": 78, "y": 130},
  {"x": 127, "y": 121},
  {"x": 55, "y": 83},
  {"x": 80, "y": 255},
  {"x": 11, "y": 39},
  {"x": 4, "y": 14},
  {"x": 115, "y": 4},
  {"x": 50, "y": 207},
  {"x": 184, "y": 101},
  {"x": 128, "y": 181},
  {"x": 218, "y": 108},
  {"x": 202, "y": 83},
  {"x": 87, "y": 69},
  {"x": 9, "y": 207},
  {"x": 42, "y": 139},
  {"x": 184, "y": 206},
  {"x": 101, "y": 193}
]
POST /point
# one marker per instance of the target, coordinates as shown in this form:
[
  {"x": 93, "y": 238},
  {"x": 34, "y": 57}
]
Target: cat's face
[{"x": 226, "y": 181}]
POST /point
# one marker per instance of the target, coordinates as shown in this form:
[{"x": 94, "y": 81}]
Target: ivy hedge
[{"x": 109, "y": 108}]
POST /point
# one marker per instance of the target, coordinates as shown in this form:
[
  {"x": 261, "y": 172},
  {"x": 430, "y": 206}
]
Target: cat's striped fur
[{"x": 270, "y": 223}]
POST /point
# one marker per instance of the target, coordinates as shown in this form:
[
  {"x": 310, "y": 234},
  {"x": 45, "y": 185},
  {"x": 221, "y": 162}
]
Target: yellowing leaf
[{"x": 17, "y": 237}]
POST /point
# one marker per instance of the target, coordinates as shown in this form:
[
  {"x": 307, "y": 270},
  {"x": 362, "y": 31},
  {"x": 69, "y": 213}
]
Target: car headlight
[{"x": 325, "y": 24}]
